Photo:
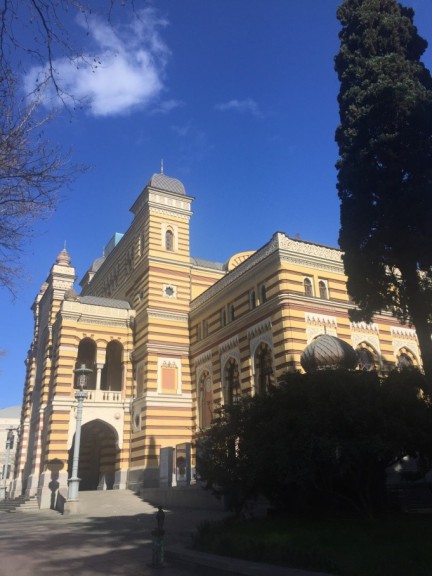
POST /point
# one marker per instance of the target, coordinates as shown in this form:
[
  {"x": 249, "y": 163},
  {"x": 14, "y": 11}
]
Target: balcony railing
[{"x": 104, "y": 396}]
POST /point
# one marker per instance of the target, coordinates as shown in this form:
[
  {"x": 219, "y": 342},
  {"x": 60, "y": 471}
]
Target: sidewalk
[{"x": 111, "y": 536}]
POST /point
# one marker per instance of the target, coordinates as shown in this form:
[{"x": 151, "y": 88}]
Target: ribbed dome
[
  {"x": 166, "y": 183},
  {"x": 328, "y": 352}
]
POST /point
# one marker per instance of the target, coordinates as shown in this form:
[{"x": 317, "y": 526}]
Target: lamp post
[{"x": 80, "y": 395}]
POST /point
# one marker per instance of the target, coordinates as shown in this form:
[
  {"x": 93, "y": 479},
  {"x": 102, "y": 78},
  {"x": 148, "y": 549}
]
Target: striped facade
[{"x": 169, "y": 338}]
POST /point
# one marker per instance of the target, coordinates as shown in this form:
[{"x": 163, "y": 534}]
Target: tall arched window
[
  {"x": 232, "y": 382},
  {"x": 87, "y": 356},
  {"x": 263, "y": 294},
  {"x": 323, "y": 290},
  {"x": 232, "y": 312},
  {"x": 308, "y": 290},
  {"x": 112, "y": 372},
  {"x": 252, "y": 299},
  {"x": 264, "y": 375},
  {"x": 205, "y": 400},
  {"x": 169, "y": 240},
  {"x": 223, "y": 317}
]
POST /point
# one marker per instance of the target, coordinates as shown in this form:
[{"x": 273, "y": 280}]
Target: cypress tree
[{"x": 385, "y": 164}]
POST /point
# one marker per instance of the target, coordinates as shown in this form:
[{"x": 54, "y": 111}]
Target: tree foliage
[
  {"x": 321, "y": 438},
  {"x": 385, "y": 164}
]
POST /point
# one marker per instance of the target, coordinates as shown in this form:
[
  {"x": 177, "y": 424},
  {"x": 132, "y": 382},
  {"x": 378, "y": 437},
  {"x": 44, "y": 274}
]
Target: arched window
[
  {"x": 87, "y": 356},
  {"x": 252, "y": 299},
  {"x": 223, "y": 317},
  {"x": 232, "y": 382},
  {"x": 264, "y": 375},
  {"x": 232, "y": 312},
  {"x": 308, "y": 290},
  {"x": 205, "y": 400},
  {"x": 404, "y": 361},
  {"x": 169, "y": 240},
  {"x": 111, "y": 378},
  {"x": 365, "y": 360},
  {"x": 263, "y": 294},
  {"x": 323, "y": 290}
]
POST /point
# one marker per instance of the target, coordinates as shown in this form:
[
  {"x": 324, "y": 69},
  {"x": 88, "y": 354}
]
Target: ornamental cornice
[
  {"x": 320, "y": 319},
  {"x": 315, "y": 264},
  {"x": 307, "y": 248},
  {"x": 203, "y": 358},
  {"x": 259, "y": 328},
  {"x": 401, "y": 332},
  {"x": 364, "y": 327},
  {"x": 177, "y": 213},
  {"x": 164, "y": 315},
  {"x": 229, "y": 345},
  {"x": 97, "y": 321}
]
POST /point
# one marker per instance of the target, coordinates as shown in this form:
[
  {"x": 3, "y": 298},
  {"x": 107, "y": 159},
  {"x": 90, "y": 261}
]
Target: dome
[
  {"x": 328, "y": 352},
  {"x": 71, "y": 295},
  {"x": 63, "y": 259},
  {"x": 162, "y": 182}
]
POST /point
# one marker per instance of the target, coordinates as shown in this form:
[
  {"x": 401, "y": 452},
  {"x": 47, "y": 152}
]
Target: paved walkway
[{"x": 110, "y": 536}]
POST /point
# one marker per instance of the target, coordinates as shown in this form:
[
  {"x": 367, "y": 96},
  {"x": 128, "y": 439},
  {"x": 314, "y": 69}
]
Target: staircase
[{"x": 21, "y": 504}]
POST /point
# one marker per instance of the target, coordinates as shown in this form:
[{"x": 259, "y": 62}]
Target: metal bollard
[{"x": 158, "y": 544}]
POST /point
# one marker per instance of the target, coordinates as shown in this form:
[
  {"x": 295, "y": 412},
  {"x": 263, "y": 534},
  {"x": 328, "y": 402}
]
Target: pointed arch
[
  {"x": 231, "y": 382},
  {"x": 368, "y": 358},
  {"x": 263, "y": 368},
  {"x": 205, "y": 399}
]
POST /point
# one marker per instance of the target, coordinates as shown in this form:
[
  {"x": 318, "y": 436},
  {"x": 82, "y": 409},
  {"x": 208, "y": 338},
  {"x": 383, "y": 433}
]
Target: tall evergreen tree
[{"x": 385, "y": 164}]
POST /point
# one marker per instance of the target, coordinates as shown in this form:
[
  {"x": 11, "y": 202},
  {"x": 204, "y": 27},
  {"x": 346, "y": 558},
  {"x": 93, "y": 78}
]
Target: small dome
[
  {"x": 167, "y": 184},
  {"x": 63, "y": 259},
  {"x": 71, "y": 294},
  {"x": 328, "y": 352}
]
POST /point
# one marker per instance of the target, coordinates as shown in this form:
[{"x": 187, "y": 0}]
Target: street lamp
[{"x": 82, "y": 374}]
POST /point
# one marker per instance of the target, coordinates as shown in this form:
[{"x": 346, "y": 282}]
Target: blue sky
[{"x": 239, "y": 99}]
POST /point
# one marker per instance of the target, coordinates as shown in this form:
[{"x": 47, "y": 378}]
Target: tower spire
[{"x": 161, "y": 167}]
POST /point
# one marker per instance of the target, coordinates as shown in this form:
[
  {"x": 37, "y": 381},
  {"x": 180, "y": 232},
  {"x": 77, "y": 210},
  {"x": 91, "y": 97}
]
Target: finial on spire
[
  {"x": 161, "y": 167},
  {"x": 64, "y": 247}
]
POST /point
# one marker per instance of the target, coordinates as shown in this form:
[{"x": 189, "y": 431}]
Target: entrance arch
[{"x": 98, "y": 456}]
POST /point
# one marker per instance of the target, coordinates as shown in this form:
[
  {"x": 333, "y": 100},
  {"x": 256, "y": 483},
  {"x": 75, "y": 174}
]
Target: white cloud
[
  {"x": 249, "y": 105},
  {"x": 129, "y": 74}
]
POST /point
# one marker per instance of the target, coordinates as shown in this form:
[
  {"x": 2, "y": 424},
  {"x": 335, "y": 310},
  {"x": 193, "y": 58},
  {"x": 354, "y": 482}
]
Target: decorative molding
[
  {"x": 259, "y": 328},
  {"x": 203, "y": 358},
  {"x": 364, "y": 327},
  {"x": 313, "y": 331},
  {"x": 372, "y": 339},
  {"x": 172, "y": 213},
  {"x": 206, "y": 367},
  {"x": 163, "y": 315},
  {"x": 300, "y": 247},
  {"x": 402, "y": 332},
  {"x": 320, "y": 319},
  {"x": 409, "y": 343},
  {"x": 264, "y": 337},
  {"x": 229, "y": 344}
]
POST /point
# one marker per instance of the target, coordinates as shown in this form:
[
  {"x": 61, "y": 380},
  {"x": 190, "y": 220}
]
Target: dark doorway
[{"x": 98, "y": 454}]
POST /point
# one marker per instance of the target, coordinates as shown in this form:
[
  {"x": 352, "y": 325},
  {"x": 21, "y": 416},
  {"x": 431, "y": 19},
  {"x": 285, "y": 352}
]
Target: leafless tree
[{"x": 32, "y": 171}]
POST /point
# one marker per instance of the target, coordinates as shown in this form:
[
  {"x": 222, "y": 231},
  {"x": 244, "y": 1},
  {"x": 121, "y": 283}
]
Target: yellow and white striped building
[{"x": 170, "y": 337}]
